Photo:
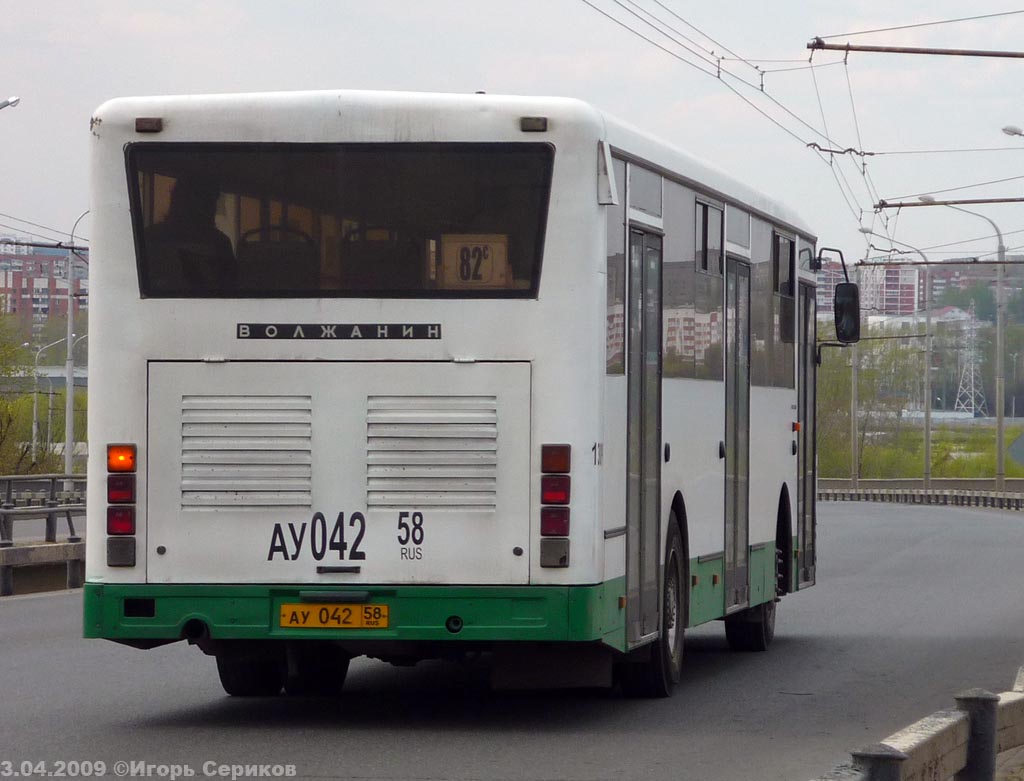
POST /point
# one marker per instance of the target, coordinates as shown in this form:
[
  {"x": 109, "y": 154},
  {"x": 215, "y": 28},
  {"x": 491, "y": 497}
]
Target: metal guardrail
[
  {"x": 947, "y": 497},
  {"x": 962, "y": 742},
  {"x": 1010, "y": 484},
  {"x": 35, "y": 497}
]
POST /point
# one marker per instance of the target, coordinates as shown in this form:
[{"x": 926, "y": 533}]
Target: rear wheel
[
  {"x": 250, "y": 671},
  {"x": 658, "y": 672},
  {"x": 754, "y": 629},
  {"x": 315, "y": 669}
]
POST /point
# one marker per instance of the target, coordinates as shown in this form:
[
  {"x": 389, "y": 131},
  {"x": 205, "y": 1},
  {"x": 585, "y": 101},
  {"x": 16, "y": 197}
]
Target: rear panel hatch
[{"x": 338, "y": 472}]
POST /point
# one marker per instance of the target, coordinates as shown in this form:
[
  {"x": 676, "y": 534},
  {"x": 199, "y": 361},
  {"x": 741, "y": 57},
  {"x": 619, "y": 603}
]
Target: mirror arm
[
  {"x": 842, "y": 260},
  {"x": 820, "y": 345}
]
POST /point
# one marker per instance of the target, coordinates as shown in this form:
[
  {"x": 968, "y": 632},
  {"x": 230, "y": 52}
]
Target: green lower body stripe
[{"x": 143, "y": 612}]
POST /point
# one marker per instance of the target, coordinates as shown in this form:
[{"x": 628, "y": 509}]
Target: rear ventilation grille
[
  {"x": 438, "y": 452},
  {"x": 246, "y": 452}
]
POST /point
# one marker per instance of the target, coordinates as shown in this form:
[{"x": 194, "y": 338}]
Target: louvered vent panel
[
  {"x": 246, "y": 452},
  {"x": 439, "y": 452}
]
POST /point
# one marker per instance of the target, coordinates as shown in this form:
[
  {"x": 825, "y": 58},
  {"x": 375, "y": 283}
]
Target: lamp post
[
  {"x": 12, "y": 101},
  {"x": 1000, "y": 332},
  {"x": 35, "y": 396},
  {"x": 69, "y": 368},
  {"x": 927, "y": 355},
  {"x": 1013, "y": 397},
  {"x": 49, "y": 412}
]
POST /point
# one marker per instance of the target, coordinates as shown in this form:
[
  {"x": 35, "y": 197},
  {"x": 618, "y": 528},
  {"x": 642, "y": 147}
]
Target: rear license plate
[{"x": 303, "y": 616}]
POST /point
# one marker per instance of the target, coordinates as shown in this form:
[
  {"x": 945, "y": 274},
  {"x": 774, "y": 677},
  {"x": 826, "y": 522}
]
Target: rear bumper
[{"x": 417, "y": 613}]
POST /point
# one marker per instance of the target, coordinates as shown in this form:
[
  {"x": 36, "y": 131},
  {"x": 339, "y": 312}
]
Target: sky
[{"x": 63, "y": 58}]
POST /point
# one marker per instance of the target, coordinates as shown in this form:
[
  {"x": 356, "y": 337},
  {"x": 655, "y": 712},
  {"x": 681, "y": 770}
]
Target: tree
[
  {"x": 979, "y": 293},
  {"x": 56, "y": 327},
  {"x": 890, "y": 371}
]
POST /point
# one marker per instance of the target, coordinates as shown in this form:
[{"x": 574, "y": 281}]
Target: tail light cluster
[
  {"x": 555, "y": 489},
  {"x": 121, "y": 469}
]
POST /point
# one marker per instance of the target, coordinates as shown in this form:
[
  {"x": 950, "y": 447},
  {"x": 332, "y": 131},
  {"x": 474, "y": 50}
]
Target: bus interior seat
[
  {"x": 381, "y": 259},
  {"x": 278, "y": 260},
  {"x": 187, "y": 266}
]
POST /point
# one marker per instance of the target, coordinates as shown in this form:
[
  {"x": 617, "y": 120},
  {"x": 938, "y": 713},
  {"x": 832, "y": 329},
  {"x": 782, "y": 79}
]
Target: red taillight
[
  {"x": 555, "y": 458},
  {"x": 555, "y": 464},
  {"x": 554, "y": 489},
  {"x": 120, "y": 489},
  {"x": 554, "y": 521},
  {"x": 120, "y": 458},
  {"x": 120, "y": 520}
]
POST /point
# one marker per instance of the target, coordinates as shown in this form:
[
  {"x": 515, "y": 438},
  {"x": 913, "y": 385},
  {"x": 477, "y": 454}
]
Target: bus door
[
  {"x": 737, "y": 432},
  {"x": 643, "y": 462},
  {"x": 806, "y": 455}
]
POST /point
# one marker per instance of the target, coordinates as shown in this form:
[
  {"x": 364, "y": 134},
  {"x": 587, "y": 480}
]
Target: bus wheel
[
  {"x": 315, "y": 669},
  {"x": 658, "y": 673},
  {"x": 753, "y": 629},
  {"x": 249, "y": 673}
]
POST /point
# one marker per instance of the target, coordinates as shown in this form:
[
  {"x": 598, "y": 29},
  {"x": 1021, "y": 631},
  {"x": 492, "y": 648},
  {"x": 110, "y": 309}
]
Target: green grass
[{"x": 957, "y": 451}]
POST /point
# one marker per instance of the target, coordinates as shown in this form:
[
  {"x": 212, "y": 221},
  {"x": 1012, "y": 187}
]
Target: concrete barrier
[{"x": 960, "y": 743}]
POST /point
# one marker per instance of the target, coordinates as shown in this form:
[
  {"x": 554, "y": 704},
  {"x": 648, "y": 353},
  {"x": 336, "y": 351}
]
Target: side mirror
[{"x": 847, "y": 308}]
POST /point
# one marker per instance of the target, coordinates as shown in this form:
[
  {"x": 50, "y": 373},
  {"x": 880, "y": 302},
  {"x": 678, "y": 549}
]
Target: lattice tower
[{"x": 970, "y": 397}]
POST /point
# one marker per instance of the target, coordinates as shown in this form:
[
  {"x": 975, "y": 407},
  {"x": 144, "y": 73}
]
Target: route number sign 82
[{"x": 470, "y": 260}]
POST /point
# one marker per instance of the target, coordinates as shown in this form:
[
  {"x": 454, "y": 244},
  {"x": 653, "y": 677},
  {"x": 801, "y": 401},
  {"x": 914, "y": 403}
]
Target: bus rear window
[{"x": 313, "y": 220}]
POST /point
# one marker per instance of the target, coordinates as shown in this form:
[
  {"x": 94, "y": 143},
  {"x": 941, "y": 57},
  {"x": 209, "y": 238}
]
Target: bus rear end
[{"x": 339, "y": 403}]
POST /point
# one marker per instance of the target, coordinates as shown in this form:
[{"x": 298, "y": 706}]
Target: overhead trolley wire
[
  {"x": 921, "y": 24},
  {"x": 30, "y": 233},
  {"x": 802, "y": 67},
  {"x": 872, "y": 190},
  {"x": 946, "y": 151},
  {"x": 706, "y": 57},
  {"x": 698, "y": 30},
  {"x": 975, "y": 238},
  {"x": 37, "y": 225},
  {"x": 833, "y": 164},
  {"x": 713, "y": 63},
  {"x": 954, "y": 189},
  {"x": 649, "y": 40},
  {"x": 718, "y": 75}
]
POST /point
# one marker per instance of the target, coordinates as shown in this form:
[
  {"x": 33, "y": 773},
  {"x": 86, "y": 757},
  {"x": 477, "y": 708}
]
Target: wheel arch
[
  {"x": 784, "y": 541},
  {"x": 678, "y": 508}
]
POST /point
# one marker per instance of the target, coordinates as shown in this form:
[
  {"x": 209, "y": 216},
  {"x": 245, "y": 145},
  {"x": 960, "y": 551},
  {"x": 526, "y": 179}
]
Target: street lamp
[
  {"x": 927, "y": 355},
  {"x": 12, "y": 101},
  {"x": 1000, "y": 329},
  {"x": 35, "y": 396},
  {"x": 69, "y": 368}
]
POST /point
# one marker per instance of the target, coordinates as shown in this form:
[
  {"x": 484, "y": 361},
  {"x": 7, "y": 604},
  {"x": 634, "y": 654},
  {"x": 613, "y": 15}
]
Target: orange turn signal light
[
  {"x": 120, "y": 458},
  {"x": 555, "y": 458}
]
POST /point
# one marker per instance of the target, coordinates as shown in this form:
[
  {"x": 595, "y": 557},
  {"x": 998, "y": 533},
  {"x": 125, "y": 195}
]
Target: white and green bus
[{"x": 416, "y": 376}]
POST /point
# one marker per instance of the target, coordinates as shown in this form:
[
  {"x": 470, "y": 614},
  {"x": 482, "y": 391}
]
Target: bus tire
[
  {"x": 247, "y": 674},
  {"x": 753, "y": 629},
  {"x": 659, "y": 671},
  {"x": 315, "y": 669}
]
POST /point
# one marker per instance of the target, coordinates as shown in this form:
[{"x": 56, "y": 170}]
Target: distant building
[
  {"x": 890, "y": 290},
  {"x": 830, "y": 275},
  {"x": 33, "y": 285},
  {"x": 899, "y": 289},
  {"x": 946, "y": 315}
]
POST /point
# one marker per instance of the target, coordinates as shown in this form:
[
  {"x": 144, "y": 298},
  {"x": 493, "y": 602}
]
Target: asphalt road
[{"x": 912, "y": 605}]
